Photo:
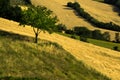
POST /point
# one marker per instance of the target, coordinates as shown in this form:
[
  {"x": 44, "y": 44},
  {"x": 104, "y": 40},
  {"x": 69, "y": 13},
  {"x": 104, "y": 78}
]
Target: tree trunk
[{"x": 36, "y": 38}]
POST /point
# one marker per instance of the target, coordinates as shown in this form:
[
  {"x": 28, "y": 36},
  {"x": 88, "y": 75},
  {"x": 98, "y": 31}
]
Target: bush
[
  {"x": 84, "y": 39},
  {"x": 9, "y": 12},
  {"x": 70, "y": 4},
  {"x": 82, "y": 31},
  {"x": 73, "y": 36},
  {"x": 61, "y": 27},
  {"x": 115, "y": 48},
  {"x": 69, "y": 31},
  {"x": 96, "y": 34}
]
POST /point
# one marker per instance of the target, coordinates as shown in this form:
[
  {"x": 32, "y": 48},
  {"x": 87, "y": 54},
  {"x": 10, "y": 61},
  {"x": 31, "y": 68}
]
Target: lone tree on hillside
[{"x": 40, "y": 19}]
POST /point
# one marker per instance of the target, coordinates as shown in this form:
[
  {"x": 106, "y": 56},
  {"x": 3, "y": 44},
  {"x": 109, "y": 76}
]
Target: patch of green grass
[
  {"x": 106, "y": 44},
  {"x": 23, "y": 60}
]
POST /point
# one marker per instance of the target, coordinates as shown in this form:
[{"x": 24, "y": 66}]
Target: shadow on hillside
[
  {"x": 15, "y": 36},
  {"x": 115, "y": 8},
  {"x": 67, "y": 8}
]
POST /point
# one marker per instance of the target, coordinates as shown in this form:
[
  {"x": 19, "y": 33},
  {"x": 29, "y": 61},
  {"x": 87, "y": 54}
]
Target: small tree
[
  {"x": 40, "y": 19},
  {"x": 106, "y": 36},
  {"x": 117, "y": 37}
]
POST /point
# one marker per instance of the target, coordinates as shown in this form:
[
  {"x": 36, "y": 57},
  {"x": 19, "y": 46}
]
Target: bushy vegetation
[
  {"x": 23, "y": 60},
  {"x": 106, "y": 44},
  {"x": 10, "y": 12},
  {"x": 9, "y": 9},
  {"x": 61, "y": 27},
  {"x": 20, "y": 2},
  {"x": 110, "y": 26},
  {"x": 85, "y": 32}
]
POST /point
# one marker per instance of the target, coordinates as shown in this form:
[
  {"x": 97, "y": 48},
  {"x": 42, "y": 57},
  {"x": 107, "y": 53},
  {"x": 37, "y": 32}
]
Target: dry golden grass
[
  {"x": 100, "y": 11},
  {"x": 103, "y": 60}
]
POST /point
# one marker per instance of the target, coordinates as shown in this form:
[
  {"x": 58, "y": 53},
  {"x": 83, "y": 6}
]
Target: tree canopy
[{"x": 40, "y": 18}]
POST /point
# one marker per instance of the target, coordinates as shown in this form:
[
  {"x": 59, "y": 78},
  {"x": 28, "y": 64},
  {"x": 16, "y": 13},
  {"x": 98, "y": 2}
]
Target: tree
[
  {"x": 106, "y": 36},
  {"x": 40, "y": 19},
  {"x": 4, "y": 8},
  {"x": 117, "y": 37},
  {"x": 61, "y": 27},
  {"x": 82, "y": 31},
  {"x": 96, "y": 34}
]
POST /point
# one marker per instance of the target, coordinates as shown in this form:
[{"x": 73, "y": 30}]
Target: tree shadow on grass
[{"x": 15, "y": 36}]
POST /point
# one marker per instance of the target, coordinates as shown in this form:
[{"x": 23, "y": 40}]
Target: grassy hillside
[
  {"x": 20, "y": 58},
  {"x": 100, "y": 11},
  {"x": 101, "y": 59}
]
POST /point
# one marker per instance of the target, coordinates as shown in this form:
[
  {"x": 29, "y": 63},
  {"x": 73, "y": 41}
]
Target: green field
[
  {"x": 101, "y": 43},
  {"x": 105, "y": 44},
  {"x": 21, "y": 59}
]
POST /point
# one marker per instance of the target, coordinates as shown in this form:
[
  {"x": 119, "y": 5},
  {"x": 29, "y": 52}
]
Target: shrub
[
  {"x": 84, "y": 39},
  {"x": 115, "y": 48},
  {"x": 73, "y": 36},
  {"x": 61, "y": 27},
  {"x": 82, "y": 31},
  {"x": 69, "y": 31},
  {"x": 96, "y": 34},
  {"x": 9, "y": 12},
  {"x": 70, "y": 4}
]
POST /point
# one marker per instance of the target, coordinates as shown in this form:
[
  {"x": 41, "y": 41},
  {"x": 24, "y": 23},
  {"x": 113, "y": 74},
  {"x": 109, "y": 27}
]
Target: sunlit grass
[{"x": 21, "y": 59}]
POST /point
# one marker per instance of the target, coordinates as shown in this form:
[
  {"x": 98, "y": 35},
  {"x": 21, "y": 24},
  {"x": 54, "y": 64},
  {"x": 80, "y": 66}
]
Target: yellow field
[
  {"x": 100, "y": 11},
  {"x": 103, "y": 60}
]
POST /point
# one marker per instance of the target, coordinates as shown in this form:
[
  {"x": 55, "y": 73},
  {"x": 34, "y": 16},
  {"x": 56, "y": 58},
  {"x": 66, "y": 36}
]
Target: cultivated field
[
  {"x": 103, "y": 60},
  {"x": 100, "y": 11}
]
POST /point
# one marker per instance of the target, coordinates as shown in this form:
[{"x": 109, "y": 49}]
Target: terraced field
[
  {"x": 103, "y": 60},
  {"x": 100, "y": 11}
]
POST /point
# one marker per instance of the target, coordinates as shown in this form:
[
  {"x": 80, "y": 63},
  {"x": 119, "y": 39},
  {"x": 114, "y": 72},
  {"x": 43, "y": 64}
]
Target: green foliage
[
  {"x": 61, "y": 27},
  {"x": 96, "y": 34},
  {"x": 40, "y": 18},
  {"x": 84, "y": 39},
  {"x": 115, "y": 48},
  {"x": 42, "y": 61},
  {"x": 85, "y": 32},
  {"x": 20, "y": 2},
  {"x": 117, "y": 38},
  {"x": 69, "y": 31},
  {"x": 101, "y": 43},
  {"x": 9, "y": 12},
  {"x": 105, "y": 44},
  {"x": 82, "y": 31},
  {"x": 106, "y": 36},
  {"x": 92, "y": 20}
]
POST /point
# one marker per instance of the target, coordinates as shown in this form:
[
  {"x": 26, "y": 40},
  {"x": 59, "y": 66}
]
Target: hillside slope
[
  {"x": 100, "y": 11},
  {"x": 103, "y": 60},
  {"x": 21, "y": 59}
]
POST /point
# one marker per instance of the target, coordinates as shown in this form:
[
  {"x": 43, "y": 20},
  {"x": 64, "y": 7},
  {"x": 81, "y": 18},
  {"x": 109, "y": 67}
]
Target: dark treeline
[
  {"x": 95, "y": 34},
  {"x": 92, "y": 20},
  {"x": 114, "y": 2},
  {"x": 9, "y": 11},
  {"x": 84, "y": 33},
  {"x": 20, "y": 2}
]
